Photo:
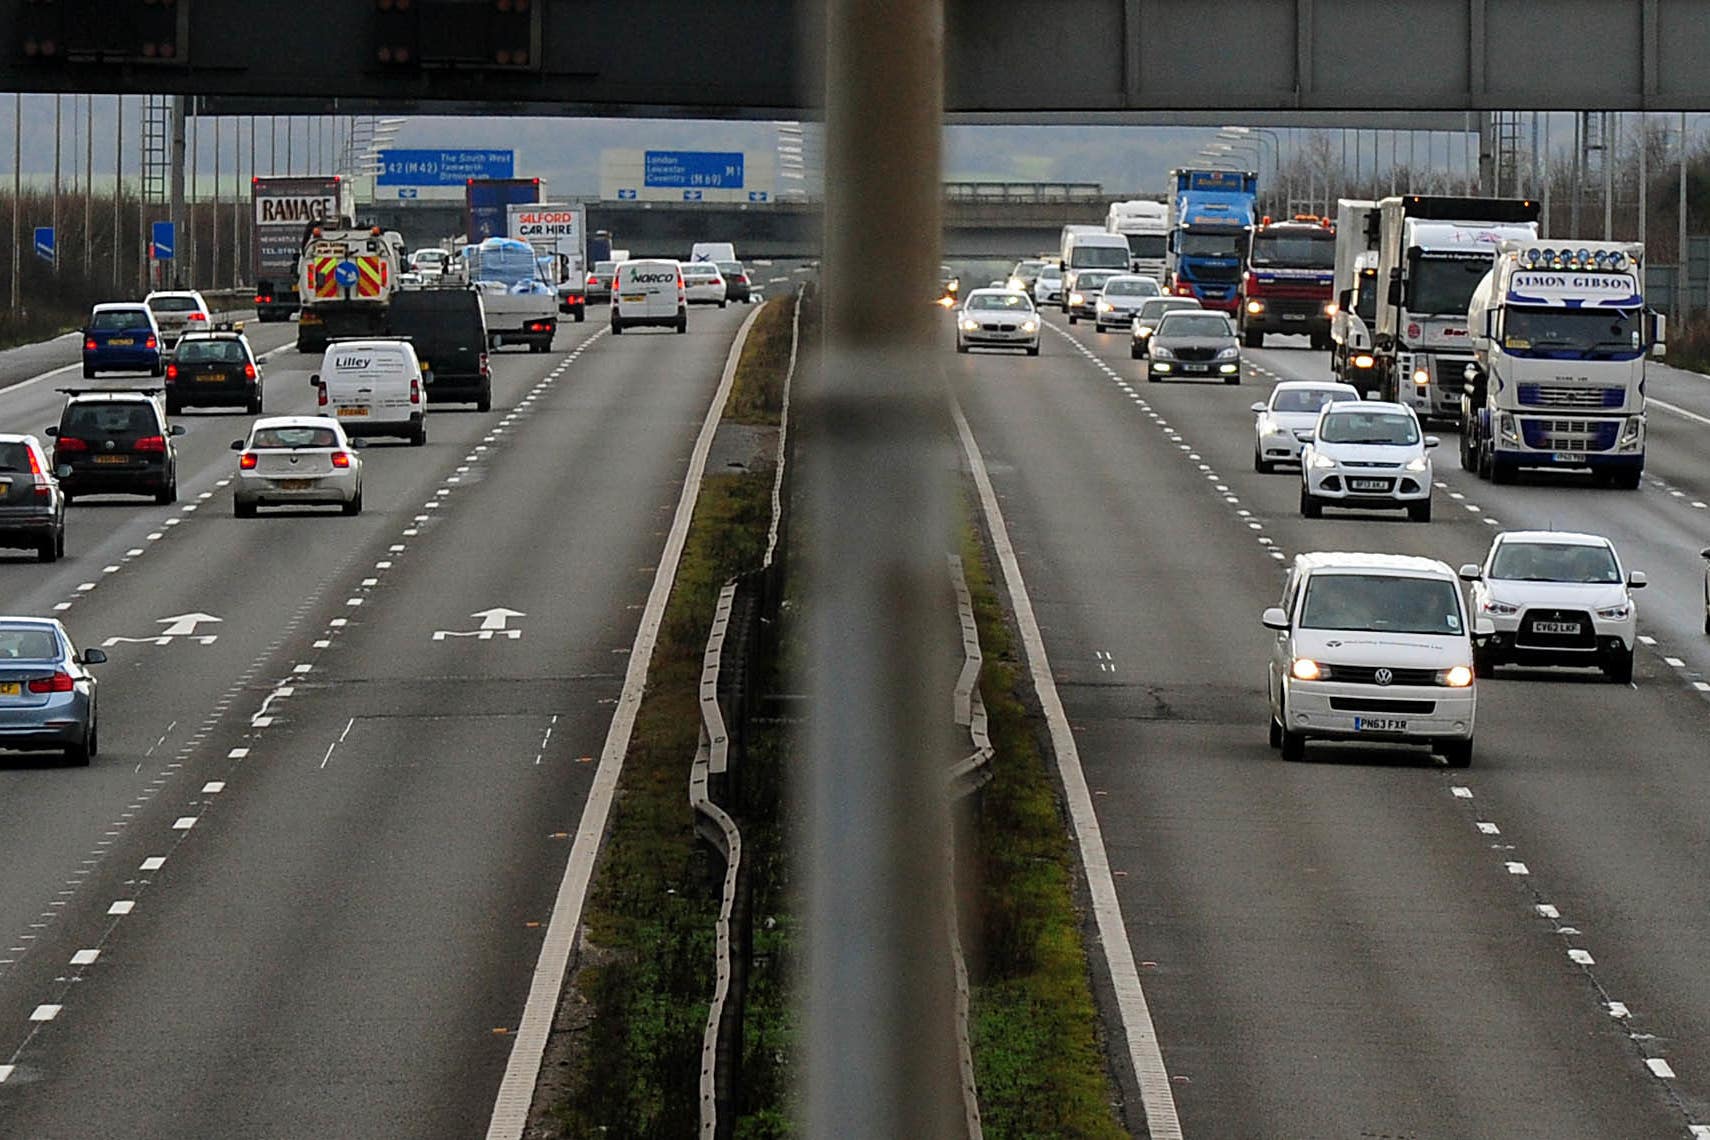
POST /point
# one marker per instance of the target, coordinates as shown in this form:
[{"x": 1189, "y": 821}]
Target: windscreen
[
  {"x": 1313, "y": 249},
  {"x": 1004, "y": 302},
  {"x": 113, "y": 319},
  {"x": 28, "y": 644},
  {"x": 210, "y": 352},
  {"x": 1149, "y": 246},
  {"x": 1051, "y": 273},
  {"x": 174, "y": 305},
  {"x": 510, "y": 263},
  {"x": 1442, "y": 286},
  {"x": 1555, "y": 562},
  {"x": 270, "y": 438},
  {"x": 1395, "y": 429},
  {"x": 1572, "y": 332},
  {"x": 1154, "y": 310},
  {"x": 1098, "y": 257},
  {"x": 108, "y": 419},
  {"x": 605, "y": 268},
  {"x": 1195, "y": 324},
  {"x": 1132, "y": 287},
  {"x": 1381, "y": 603},
  {"x": 729, "y": 268},
  {"x": 1308, "y": 399},
  {"x": 1091, "y": 282},
  {"x": 1230, "y": 244}
]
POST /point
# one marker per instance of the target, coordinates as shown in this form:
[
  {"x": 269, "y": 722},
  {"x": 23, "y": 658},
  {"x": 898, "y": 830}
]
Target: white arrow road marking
[
  {"x": 497, "y": 617},
  {"x": 494, "y": 624},
  {"x": 184, "y": 624}
]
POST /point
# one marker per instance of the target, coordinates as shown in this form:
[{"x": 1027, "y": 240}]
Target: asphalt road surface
[{"x": 1366, "y": 944}]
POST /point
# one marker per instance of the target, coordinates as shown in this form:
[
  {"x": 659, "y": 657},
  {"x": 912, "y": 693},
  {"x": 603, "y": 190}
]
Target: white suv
[
  {"x": 1555, "y": 598},
  {"x": 1366, "y": 454},
  {"x": 1372, "y": 647}
]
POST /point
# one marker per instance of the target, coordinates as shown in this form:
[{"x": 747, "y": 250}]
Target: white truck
[
  {"x": 1432, "y": 252},
  {"x": 1560, "y": 336},
  {"x": 521, "y": 303},
  {"x": 1146, "y": 225},
  {"x": 1355, "y": 295},
  {"x": 558, "y": 231},
  {"x": 345, "y": 281}
]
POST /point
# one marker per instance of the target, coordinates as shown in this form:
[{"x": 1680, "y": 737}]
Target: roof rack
[{"x": 144, "y": 389}]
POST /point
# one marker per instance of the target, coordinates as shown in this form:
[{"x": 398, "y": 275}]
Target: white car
[
  {"x": 1371, "y": 647},
  {"x": 997, "y": 318},
  {"x": 1555, "y": 598},
  {"x": 430, "y": 262},
  {"x": 1121, "y": 300},
  {"x": 297, "y": 460},
  {"x": 703, "y": 284},
  {"x": 178, "y": 312},
  {"x": 1283, "y": 423},
  {"x": 1048, "y": 287},
  {"x": 1368, "y": 455}
]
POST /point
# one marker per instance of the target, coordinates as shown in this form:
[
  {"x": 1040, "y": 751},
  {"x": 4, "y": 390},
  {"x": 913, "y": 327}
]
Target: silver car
[
  {"x": 294, "y": 461},
  {"x": 1198, "y": 345},
  {"x": 1121, "y": 300},
  {"x": 178, "y": 312},
  {"x": 47, "y": 694}
]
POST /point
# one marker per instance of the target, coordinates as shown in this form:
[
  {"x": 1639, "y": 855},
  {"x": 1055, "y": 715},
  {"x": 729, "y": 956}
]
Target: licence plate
[
  {"x": 1195, "y": 367},
  {"x": 1294, "y": 316},
  {"x": 212, "y": 378},
  {"x": 1557, "y": 628},
  {"x": 122, "y": 340},
  {"x": 112, "y": 459},
  {"x": 295, "y": 484},
  {"x": 1572, "y": 458},
  {"x": 11, "y": 689},
  {"x": 635, "y": 298},
  {"x": 1369, "y": 484},
  {"x": 1379, "y": 724},
  {"x": 353, "y": 411}
]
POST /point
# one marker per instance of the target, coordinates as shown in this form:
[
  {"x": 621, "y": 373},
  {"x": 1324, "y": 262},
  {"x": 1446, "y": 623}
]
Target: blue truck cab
[
  {"x": 1210, "y": 215},
  {"x": 121, "y": 337}
]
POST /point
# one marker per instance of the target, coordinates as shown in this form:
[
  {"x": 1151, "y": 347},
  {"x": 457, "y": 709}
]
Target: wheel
[
  {"x": 1151, "y": 377},
  {"x": 1252, "y": 338},
  {"x": 1620, "y": 668},
  {"x": 88, "y": 372},
  {"x": 961, "y": 348},
  {"x": 1627, "y": 480},
  {"x": 158, "y": 370},
  {"x": 1501, "y": 472},
  {"x": 617, "y": 327},
  {"x": 1419, "y": 512},
  {"x": 1033, "y": 350},
  {"x": 1310, "y": 507},
  {"x": 59, "y": 541},
  {"x": 1232, "y": 379},
  {"x": 1134, "y": 353},
  {"x": 1275, "y": 732},
  {"x": 1483, "y": 662},
  {"x": 1292, "y": 744},
  {"x": 173, "y": 407},
  {"x": 242, "y": 510},
  {"x": 255, "y": 404},
  {"x": 1466, "y": 446},
  {"x": 1482, "y": 459},
  {"x": 80, "y": 753},
  {"x": 485, "y": 402},
  {"x": 721, "y": 304},
  {"x": 1707, "y": 622},
  {"x": 1262, "y": 466},
  {"x": 682, "y": 320},
  {"x": 1073, "y": 318},
  {"x": 168, "y": 493},
  {"x": 418, "y": 434},
  {"x": 581, "y": 315},
  {"x": 94, "y": 737},
  {"x": 354, "y": 507},
  {"x": 48, "y": 550},
  {"x": 1456, "y": 753}
]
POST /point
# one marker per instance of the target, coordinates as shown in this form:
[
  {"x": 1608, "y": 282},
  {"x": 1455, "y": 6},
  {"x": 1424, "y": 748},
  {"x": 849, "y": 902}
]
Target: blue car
[
  {"x": 47, "y": 694},
  {"x": 121, "y": 337}
]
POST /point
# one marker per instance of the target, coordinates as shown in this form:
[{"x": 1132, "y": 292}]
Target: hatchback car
[
  {"x": 32, "y": 506},
  {"x": 1283, "y": 423},
  {"x": 121, "y": 338},
  {"x": 737, "y": 286},
  {"x": 1081, "y": 288},
  {"x": 297, "y": 460},
  {"x": 998, "y": 318},
  {"x": 1121, "y": 299},
  {"x": 1146, "y": 319},
  {"x": 214, "y": 369},
  {"x": 1369, "y": 455},
  {"x": 178, "y": 312},
  {"x": 1048, "y": 287},
  {"x": 703, "y": 284},
  {"x": 600, "y": 281},
  {"x": 1555, "y": 598},
  {"x": 1371, "y": 647},
  {"x": 115, "y": 442},
  {"x": 1198, "y": 345},
  {"x": 47, "y": 693}
]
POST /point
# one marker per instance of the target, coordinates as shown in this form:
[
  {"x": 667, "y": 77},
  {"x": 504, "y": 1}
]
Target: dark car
[
  {"x": 115, "y": 442},
  {"x": 213, "y": 369},
  {"x": 1197, "y": 344},
  {"x": 121, "y": 338},
  {"x": 737, "y": 287},
  {"x": 600, "y": 281},
  {"x": 448, "y": 329},
  {"x": 32, "y": 507}
]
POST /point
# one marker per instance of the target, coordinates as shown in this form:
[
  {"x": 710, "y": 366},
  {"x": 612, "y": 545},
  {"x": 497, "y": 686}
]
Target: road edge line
[
  {"x": 522, "y": 1070},
  {"x": 1144, "y": 1054}
]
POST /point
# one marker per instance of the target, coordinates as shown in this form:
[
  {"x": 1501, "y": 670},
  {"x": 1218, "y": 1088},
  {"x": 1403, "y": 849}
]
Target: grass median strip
[{"x": 1038, "y": 1058}]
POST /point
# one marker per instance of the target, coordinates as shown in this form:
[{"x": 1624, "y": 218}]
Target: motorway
[
  {"x": 302, "y": 889},
  {"x": 1365, "y": 944}
]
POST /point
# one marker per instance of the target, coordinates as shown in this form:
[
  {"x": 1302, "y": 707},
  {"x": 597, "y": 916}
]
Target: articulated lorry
[
  {"x": 1146, "y": 225},
  {"x": 1560, "y": 337},
  {"x": 283, "y": 211},
  {"x": 346, "y": 278},
  {"x": 1432, "y": 253},
  {"x": 1209, "y": 214},
  {"x": 487, "y": 203},
  {"x": 1286, "y": 287},
  {"x": 1355, "y": 289}
]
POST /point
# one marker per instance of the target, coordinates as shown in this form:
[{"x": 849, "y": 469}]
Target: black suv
[
  {"x": 115, "y": 441},
  {"x": 213, "y": 369},
  {"x": 448, "y": 329}
]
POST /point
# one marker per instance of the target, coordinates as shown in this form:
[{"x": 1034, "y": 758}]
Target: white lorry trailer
[
  {"x": 1432, "y": 252},
  {"x": 1355, "y": 294},
  {"x": 1560, "y": 337},
  {"x": 557, "y": 231},
  {"x": 521, "y": 303},
  {"x": 1146, "y": 225}
]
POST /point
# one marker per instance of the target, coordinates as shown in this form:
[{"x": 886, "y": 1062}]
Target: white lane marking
[
  {"x": 85, "y": 957},
  {"x": 1517, "y": 868},
  {"x": 1673, "y": 662},
  {"x": 214, "y": 786},
  {"x": 1489, "y": 828},
  {"x": 1157, "y": 1099},
  {"x": 152, "y": 863},
  {"x": 1645, "y": 639},
  {"x": 123, "y": 906},
  {"x": 237, "y": 754},
  {"x": 516, "y": 1090},
  {"x": 46, "y": 1012},
  {"x": 1460, "y": 792},
  {"x": 1545, "y": 910},
  {"x": 1702, "y": 686},
  {"x": 1660, "y": 1067},
  {"x": 1619, "y": 1009},
  {"x": 1582, "y": 957},
  {"x": 347, "y": 727},
  {"x": 10, "y": 388},
  {"x": 184, "y": 823},
  {"x": 1652, "y": 401}
]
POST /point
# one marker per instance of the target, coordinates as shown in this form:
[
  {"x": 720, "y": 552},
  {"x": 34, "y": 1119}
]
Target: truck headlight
[
  {"x": 1456, "y": 677},
  {"x": 1505, "y": 427},
  {"x": 1422, "y": 376},
  {"x": 1633, "y": 434},
  {"x": 1364, "y": 360},
  {"x": 1255, "y": 306}
]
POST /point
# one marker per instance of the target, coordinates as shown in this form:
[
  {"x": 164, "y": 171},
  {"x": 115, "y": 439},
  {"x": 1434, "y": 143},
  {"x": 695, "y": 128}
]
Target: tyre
[
  {"x": 617, "y": 327},
  {"x": 1466, "y": 446},
  {"x": 1456, "y": 753},
  {"x": 1073, "y": 318},
  {"x": 157, "y": 371},
  {"x": 1310, "y": 507},
  {"x": 1292, "y": 745},
  {"x": 1627, "y": 480},
  {"x": 1501, "y": 472},
  {"x": 79, "y": 754},
  {"x": 418, "y": 434},
  {"x": 1619, "y": 668},
  {"x": 1134, "y": 353},
  {"x": 173, "y": 407},
  {"x": 1275, "y": 733},
  {"x": 1233, "y": 379},
  {"x": 1707, "y": 622},
  {"x": 255, "y": 404},
  {"x": 961, "y": 348},
  {"x": 1261, "y": 465},
  {"x": 59, "y": 541},
  {"x": 581, "y": 315},
  {"x": 168, "y": 493},
  {"x": 1483, "y": 662},
  {"x": 88, "y": 372},
  {"x": 485, "y": 402},
  {"x": 354, "y": 507},
  {"x": 1252, "y": 338},
  {"x": 722, "y": 304},
  {"x": 48, "y": 550},
  {"x": 1033, "y": 350},
  {"x": 1419, "y": 512},
  {"x": 242, "y": 510},
  {"x": 1482, "y": 460},
  {"x": 683, "y": 320}
]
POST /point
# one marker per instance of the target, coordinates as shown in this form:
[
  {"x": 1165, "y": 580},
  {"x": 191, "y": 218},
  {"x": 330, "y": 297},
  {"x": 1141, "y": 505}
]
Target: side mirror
[
  {"x": 1259, "y": 407},
  {"x": 51, "y": 431},
  {"x": 1636, "y": 580},
  {"x": 237, "y": 445},
  {"x": 1483, "y": 628},
  {"x": 1310, "y": 435},
  {"x": 1431, "y": 441},
  {"x": 1659, "y": 334},
  {"x": 357, "y": 444},
  {"x": 1345, "y": 301},
  {"x": 1489, "y": 324},
  {"x": 1705, "y": 554},
  {"x": 1274, "y": 618},
  {"x": 63, "y": 471},
  {"x": 1063, "y": 265},
  {"x": 1395, "y": 294},
  {"x": 175, "y": 429},
  {"x": 94, "y": 657},
  {"x": 1470, "y": 572},
  {"x": 315, "y": 380}
]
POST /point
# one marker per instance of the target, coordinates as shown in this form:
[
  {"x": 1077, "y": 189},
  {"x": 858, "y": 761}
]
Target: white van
[
  {"x": 712, "y": 251},
  {"x": 374, "y": 387},
  {"x": 649, "y": 292}
]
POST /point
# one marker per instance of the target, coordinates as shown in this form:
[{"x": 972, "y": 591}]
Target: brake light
[
  {"x": 198, "y": 316},
  {"x": 172, "y": 371},
  {"x": 249, "y": 371},
  {"x": 484, "y": 366},
  {"x": 742, "y": 278},
  {"x": 60, "y": 682},
  {"x": 321, "y": 395},
  {"x": 341, "y": 459},
  {"x": 89, "y": 345},
  {"x": 70, "y": 443},
  {"x": 247, "y": 461},
  {"x": 35, "y": 464},
  {"x": 593, "y": 279},
  {"x": 260, "y": 299},
  {"x": 151, "y": 342},
  {"x": 150, "y": 443},
  {"x": 415, "y": 390}
]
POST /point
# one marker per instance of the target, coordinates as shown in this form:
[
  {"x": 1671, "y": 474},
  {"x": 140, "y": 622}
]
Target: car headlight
[
  {"x": 1230, "y": 353},
  {"x": 1076, "y": 299},
  {"x": 970, "y": 325},
  {"x": 1162, "y": 366},
  {"x": 1322, "y": 462},
  {"x": 1159, "y": 352},
  {"x": 1500, "y": 609},
  {"x": 1029, "y": 326},
  {"x": 1364, "y": 360},
  {"x": 1305, "y": 669},
  {"x": 1456, "y": 677},
  {"x": 1616, "y": 613},
  {"x": 1105, "y": 306},
  {"x": 1417, "y": 465}
]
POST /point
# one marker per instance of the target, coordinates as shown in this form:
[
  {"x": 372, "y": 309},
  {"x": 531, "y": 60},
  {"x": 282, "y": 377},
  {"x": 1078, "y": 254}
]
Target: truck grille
[
  {"x": 1561, "y": 396},
  {"x": 1569, "y": 435},
  {"x": 1216, "y": 273},
  {"x": 1367, "y": 675}
]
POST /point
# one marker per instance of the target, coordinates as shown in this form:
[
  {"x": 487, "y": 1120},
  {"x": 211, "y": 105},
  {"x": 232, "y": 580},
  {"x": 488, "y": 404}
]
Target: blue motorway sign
[
  {"x": 345, "y": 274},
  {"x": 698, "y": 169},
  {"x": 44, "y": 243},
  {"x": 759, "y": 196},
  {"x": 626, "y": 195},
  {"x": 163, "y": 238},
  {"x": 691, "y": 195},
  {"x": 443, "y": 167}
]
